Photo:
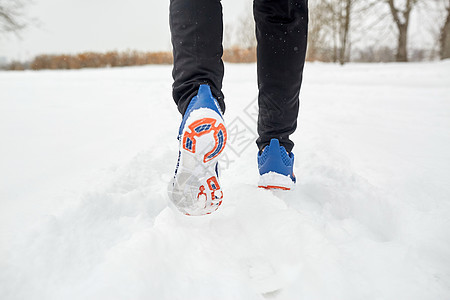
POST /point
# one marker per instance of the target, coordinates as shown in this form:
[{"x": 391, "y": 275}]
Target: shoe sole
[
  {"x": 196, "y": 189},
  {"x": 273, "y": 180}
]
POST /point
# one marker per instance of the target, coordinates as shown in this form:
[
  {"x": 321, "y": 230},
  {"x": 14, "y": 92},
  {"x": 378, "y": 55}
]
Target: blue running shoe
[
  {"x": 276, "y": 167},
  {"x": 195, "y": 189}
]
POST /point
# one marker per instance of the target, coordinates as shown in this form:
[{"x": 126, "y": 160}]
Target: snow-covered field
[{"x": 86, "y": 156}]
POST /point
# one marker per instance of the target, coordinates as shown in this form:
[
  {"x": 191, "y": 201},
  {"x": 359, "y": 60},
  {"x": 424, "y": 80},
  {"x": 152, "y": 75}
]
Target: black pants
[{"x": 281, "y": 32}]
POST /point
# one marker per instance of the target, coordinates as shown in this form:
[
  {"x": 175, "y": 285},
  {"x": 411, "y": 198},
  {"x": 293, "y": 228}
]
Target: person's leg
[
  {"x": 196, "y": 27},
  {"x": 197, "y": 30},
  {"x": 281, "y": 32}
]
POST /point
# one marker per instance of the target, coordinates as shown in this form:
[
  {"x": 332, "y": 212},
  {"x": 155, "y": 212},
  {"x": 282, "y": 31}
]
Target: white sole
[
  {"x": 195, "y": 189},
  {"x": 275, "y": 181}
]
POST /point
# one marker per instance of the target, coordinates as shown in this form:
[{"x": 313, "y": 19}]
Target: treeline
[
  {"x": 117, "y": 59},
  {"x": 93, "y": 60},
  {"x": 232, "y": 55}
]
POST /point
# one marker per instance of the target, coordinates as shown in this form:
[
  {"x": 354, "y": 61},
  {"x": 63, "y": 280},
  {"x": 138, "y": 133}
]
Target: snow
[{"x": 86, "y": 156}]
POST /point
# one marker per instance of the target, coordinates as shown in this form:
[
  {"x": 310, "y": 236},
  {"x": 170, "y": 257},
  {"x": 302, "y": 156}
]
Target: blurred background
[{"x": 55, "y": 34}]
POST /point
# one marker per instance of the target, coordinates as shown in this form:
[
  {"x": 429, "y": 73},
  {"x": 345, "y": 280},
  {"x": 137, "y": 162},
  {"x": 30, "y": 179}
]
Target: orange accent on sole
[
  {"x": 274, "y": 187},
  {"x": 202, "y": 191},
  {"x": 193, "y": 134}
]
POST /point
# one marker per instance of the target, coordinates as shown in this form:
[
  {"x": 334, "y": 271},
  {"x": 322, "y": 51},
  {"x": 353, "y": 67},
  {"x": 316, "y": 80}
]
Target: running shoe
[
  {"x": 195, "y": 189},
  {"x": 276, "y": 167}
]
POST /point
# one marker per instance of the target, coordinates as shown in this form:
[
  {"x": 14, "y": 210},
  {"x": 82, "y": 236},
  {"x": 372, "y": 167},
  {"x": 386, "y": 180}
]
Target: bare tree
[
  {"x": 12, "y": 15},
  {"x": 334, "y": 24},
  {"x": 339, "y": 25},
  {"x": 317, "y": 36},
  {"x": 401, "y": 18},
  {"x": 334, "y": 15},
  {"x": 331, "y": 21},
  {"x": 240, "y": 39},
  {"x": 445, "y": 35},
  {"x": 245, "y": 31},
  {"x": 324, "y": 30},
  {"x": 344, "y": 29}
]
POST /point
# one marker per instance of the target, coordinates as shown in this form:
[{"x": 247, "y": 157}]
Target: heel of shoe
[{"x": 276, "y": 167}]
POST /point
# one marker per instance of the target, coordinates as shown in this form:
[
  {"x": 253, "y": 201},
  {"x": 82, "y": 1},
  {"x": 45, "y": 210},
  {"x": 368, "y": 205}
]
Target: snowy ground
[{"x": 86, "y": 156}]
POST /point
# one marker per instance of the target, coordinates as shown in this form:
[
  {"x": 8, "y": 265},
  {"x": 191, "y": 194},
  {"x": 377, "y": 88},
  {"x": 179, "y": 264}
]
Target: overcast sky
[{"x": 69, "y": 26}]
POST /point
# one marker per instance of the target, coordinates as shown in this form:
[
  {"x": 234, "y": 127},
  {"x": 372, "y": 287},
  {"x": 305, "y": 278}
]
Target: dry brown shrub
[
  {"x": 239, "y": 55},
  {"x": 159, "y": 58},
  {"x": 126, "y": 58},
  {"x": 100, "y": 60},
  {"x": 16, "y": 66}
]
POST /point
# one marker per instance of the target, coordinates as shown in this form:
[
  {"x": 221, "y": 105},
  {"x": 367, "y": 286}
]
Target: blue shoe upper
[
  {"x": 275, "y": 158},
  {"x": 204, "y": 99}
]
